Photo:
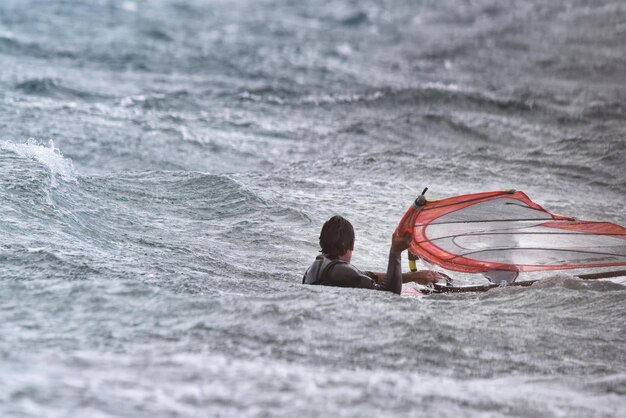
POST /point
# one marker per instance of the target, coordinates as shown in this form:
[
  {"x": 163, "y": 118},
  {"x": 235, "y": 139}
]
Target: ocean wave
[
  {"x": 354, "y": 18},
  {"x": 47, "y": 263},
  {"x": 426, "y": 94},
  {"x": 49, "y": 157},
  {"x": 611, "y": 384},
  {"x": 346, "y": 98},
  {"x": 50, "y": 87},
  {"x": 561, "y": 294},
  {"x": 159, "y": 101},
  {"x": 197, "y": 195},
  {"x": 158, "y": 34},
  {"x": 11, "y": 44},
  {"x": 605, "y": 110},
  {"x": 566, "y": 281},
  {"x": 441, "y": 93}
]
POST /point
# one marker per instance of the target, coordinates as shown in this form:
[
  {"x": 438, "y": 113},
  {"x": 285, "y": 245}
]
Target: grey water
[{"x": 166, "y": 166}]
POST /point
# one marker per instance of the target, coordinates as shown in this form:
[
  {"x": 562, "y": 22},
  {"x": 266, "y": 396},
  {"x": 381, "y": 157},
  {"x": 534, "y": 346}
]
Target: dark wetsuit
[{"x": 329, "y": 272}]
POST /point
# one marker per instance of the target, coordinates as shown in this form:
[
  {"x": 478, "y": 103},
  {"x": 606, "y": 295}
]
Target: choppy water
[{"x": 186, "y": 154}]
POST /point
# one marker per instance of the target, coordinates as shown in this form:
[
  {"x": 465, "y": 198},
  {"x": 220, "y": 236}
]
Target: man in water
[{"x": 333, "y": 268}]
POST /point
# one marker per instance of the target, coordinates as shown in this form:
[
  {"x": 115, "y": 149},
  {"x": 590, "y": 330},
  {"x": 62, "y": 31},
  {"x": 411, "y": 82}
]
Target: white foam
[
  {"x": 49, "y": 156},
  {"x": 129, "y": 6},
  {"x": 6, "y": 34}
]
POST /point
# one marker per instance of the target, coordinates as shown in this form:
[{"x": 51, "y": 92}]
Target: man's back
[{"x": 328, "y": 272}]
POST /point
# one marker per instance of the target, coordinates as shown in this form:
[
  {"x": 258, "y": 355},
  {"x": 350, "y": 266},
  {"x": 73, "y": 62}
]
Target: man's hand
[
  {"x": 429, "y": 276},
  {"x": 424, "y": 277},
  {"x": 401, "y": 242}
]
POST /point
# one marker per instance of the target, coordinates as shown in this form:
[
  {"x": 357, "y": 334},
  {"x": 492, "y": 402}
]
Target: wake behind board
[{"x": 416, "y": 290}]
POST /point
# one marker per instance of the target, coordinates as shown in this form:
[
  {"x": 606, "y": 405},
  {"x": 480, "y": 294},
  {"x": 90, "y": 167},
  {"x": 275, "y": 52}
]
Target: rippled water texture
[{"x": 166, "y": 166}]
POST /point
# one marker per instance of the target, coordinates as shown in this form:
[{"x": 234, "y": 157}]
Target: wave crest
[
  {"x": 49, "y": 156},
  {"x": 51, "y": 87}
]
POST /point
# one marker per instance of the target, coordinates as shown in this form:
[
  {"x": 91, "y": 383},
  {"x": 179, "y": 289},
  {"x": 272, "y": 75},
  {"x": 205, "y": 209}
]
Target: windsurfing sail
[{"x": 506, "y": 231}]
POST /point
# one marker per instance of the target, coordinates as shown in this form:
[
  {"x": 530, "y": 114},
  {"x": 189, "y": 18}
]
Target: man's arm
[
  {"x": 424, "y": 277},
  {"x": 392, "y": 280}
]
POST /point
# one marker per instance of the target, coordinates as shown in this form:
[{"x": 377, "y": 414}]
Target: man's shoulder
[{"x": 321, "y": 269}]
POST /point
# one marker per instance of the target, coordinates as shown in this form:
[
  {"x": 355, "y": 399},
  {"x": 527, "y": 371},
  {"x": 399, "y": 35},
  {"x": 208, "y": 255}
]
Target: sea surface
[{"x": 166, "y": 167}]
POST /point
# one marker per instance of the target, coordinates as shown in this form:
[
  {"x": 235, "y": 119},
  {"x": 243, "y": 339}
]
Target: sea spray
[{"x": 49, "y": 156}]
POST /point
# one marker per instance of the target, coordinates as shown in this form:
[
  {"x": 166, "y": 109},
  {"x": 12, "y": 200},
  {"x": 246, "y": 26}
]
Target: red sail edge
[{"x": 519, "y": 239}]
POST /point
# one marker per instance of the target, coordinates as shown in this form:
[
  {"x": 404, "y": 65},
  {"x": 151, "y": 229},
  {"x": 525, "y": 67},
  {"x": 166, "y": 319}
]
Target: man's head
[{"x": 337, "y": 238}]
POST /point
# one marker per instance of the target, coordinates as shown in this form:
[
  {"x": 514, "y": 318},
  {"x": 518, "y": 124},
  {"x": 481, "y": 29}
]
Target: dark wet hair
[{"x": 337, "y": 237}]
